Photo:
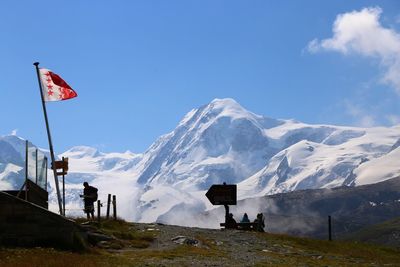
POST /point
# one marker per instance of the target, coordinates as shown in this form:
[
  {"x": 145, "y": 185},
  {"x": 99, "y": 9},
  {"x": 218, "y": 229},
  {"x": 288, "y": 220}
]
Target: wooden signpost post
[{"x": 61, "y": 167}]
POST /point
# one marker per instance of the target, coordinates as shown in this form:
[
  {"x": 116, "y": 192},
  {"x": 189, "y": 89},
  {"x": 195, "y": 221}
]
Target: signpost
[
  {"x": 223, "y": 194},
  {"x": 63, "y": 165}
]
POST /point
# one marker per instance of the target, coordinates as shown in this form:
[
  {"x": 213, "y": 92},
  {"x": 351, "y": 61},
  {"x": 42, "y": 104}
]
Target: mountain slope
[
  {"x": 222, "y": 142},
  {"x": 337, "y": 160},
  {"x": 305, "y": 212},
  {"x": 12, "y": 162},
  {"x": 109, "y": 172},
  {"x": 217, "y": 140},
  {"x": 382, "y": 168},
  {"x": 386, "y": 233}
]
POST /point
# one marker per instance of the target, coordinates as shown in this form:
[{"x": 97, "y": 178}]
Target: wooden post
[
  {"x": 108, "y": 206},
  {"x": 98, "y": 210},
  {"x": 330, "y": 227},
  {"x": 115, "y": 207},
  {"x": 36, "y": 154},
  {"x": 26, "y": 170},
  {"x": 45, "y": 173},
  {"x": 63, "y": 180},
  {"x": 226, "y": 214}
]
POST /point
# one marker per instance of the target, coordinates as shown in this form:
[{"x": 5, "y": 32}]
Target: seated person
[
  {"x": 260, "y": 223},
  {"x": 245, "y": 219},
  {"x": 230, "y": 222}
]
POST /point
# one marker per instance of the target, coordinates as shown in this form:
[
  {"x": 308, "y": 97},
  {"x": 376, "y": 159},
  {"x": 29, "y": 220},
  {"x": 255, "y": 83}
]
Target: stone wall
[{"x": 25, "y": 224}]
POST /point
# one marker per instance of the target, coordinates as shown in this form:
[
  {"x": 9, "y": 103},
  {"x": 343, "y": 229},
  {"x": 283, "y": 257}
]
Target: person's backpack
[{"x": 94, "y": 193}]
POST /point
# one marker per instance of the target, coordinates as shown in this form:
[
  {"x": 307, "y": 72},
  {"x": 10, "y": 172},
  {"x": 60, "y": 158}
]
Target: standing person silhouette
[{"x": 89, "y": 197}]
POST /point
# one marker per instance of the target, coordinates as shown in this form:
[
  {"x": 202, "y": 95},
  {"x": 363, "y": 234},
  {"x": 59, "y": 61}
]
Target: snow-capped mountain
[
  {"x": 329, "y": 163},
  {"x": 89, "y": 160},
  {"x": 12, "y": 162},
  {"x": 107, "y": 171},
  {"x": 223, "y": 142},
  {"x": 110, "y": 172},
  {"x": 214, "y": 143}
]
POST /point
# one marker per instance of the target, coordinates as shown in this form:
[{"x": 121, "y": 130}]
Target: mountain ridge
[{"x": 223, "y": 142}]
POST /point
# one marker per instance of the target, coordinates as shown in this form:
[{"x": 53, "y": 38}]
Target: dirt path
[
  {"x": 139, "y": 244},
  {"x": 218, "y": 247}
]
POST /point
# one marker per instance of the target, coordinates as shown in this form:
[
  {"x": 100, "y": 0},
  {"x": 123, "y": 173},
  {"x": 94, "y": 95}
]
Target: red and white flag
[{"x": 54, "y": 87}]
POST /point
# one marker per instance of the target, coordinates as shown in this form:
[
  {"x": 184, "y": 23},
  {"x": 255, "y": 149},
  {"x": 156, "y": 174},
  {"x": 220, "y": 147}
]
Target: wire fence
[
  {"x": 30, "y": 164},
  {"x": 36, "y": 165},
  {"x": 102, "y": 208}
]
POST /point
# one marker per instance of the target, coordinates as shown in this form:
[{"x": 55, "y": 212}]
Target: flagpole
[{"x": 49, "y": 137}]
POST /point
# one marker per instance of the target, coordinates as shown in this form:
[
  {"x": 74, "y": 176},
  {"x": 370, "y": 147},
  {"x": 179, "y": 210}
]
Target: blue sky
[{"x": 139, "y": 66}]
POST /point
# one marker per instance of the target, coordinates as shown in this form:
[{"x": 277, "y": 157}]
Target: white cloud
[
  {"x": 360, "y": 115},
  {"x": 14, "y": 132},
  {"x": 367, "y": 121},
  {"x": 360, "y": 32},
  {"x": 393, "y": 119}
]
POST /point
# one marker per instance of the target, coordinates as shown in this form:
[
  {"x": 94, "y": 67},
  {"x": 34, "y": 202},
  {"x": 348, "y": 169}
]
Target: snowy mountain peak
[
  {"x": 14, "y": 140},
  {"x": 12, "y": 137},
  {"x": 82, "y": 152},
  {"x": 227, "y": 107},
  {"x": 217, "y": 108},
  {"x": 220, "y": 141},
  {"x": 225, "y": 104},
  {"x": 223, "y": 111}
]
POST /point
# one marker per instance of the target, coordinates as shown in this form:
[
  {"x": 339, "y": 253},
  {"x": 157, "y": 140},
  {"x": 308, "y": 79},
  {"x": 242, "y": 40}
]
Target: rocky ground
[
  {"x": 118, "y": 243},
  {"x": 226, "y": 247},
  {"x": 185, "y": 246}
]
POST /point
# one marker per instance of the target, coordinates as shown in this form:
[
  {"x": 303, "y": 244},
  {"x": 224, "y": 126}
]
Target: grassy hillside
[
  {"x": 386, "y": 233},
  {"x": 155, "y": 245}
]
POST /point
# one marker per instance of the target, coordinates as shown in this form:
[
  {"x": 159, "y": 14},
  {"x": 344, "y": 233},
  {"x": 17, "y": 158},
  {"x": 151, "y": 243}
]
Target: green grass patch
[
  {"x": 275, "y": 250},
  {"x": 181, "y": 251},
  {"x": 317, "y": 252},
  {"x": 127, "y": 233},
  {"x": 379, "y": 233},
  {"x": 47, "y": 257}
]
